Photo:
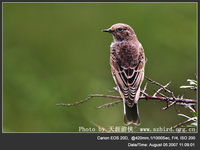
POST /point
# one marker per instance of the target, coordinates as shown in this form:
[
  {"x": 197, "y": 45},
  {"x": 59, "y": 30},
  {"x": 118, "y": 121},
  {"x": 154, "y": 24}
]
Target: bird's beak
[{"x": 107, "y": 30}]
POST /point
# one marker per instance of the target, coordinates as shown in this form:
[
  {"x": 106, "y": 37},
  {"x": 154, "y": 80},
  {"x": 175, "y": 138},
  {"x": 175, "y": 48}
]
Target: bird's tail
[{"x": 131, "y": 114}]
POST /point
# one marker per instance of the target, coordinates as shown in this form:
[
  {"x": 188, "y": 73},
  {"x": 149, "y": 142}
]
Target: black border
[{"x": 79, "y": 140}]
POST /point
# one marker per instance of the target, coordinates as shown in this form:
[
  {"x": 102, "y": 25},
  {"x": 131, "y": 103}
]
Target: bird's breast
[{"x": 125, "y": 54}]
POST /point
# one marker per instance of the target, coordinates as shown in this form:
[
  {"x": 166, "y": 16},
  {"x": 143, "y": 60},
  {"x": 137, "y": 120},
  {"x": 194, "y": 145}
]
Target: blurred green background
[{"x": 56, "y": 53}]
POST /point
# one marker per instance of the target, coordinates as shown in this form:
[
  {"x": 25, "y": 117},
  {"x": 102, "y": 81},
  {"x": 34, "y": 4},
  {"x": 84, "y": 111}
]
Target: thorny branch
[{"x": 170, "y": 101}]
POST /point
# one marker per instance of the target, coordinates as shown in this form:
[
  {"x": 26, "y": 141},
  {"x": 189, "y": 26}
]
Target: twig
[
  {"x": 143, "y": 91},
  {"x": 144, "y": 95},
  {"x": 110, "y": 104},
  {"x": 161, "y": 88},
  {"x": 164, "y": 108},
  {"x": 169, "y": 100},
  {"x": 154, "y": 82},
  {"x": 88, "y": 98},
  {"x": 193, "y": 88},
  {"x": 76, "y": 103},
  {"x": 181, "y": 123},
  {"x": 141, "y": 97},
  {"x": 108, "y": 96},
  {"x": 174, "y": 99}
]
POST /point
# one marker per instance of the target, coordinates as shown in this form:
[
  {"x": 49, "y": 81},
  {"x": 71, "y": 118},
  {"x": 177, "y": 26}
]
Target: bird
[{"x": 127, "y": 60}]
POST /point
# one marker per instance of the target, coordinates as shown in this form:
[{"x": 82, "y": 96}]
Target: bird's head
[{"x": 121, "y": 32}]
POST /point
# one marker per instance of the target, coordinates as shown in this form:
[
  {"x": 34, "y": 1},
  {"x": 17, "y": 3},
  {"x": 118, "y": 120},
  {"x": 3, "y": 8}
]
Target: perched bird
[{"x": 127, "y": 62}]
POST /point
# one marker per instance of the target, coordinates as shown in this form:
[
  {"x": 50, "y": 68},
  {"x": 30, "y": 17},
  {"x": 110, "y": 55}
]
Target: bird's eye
[{"x": 119, "y": 29}]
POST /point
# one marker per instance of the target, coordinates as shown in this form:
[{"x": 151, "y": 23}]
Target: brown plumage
[{"x": 127, "y": 62}]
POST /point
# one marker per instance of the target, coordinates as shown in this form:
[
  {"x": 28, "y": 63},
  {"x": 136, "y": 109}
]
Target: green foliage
[{"x": 193, "y": 85}]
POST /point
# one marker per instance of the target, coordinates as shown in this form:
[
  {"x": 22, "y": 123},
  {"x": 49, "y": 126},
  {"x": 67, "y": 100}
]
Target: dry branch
[{"x": 171, "y": 101}]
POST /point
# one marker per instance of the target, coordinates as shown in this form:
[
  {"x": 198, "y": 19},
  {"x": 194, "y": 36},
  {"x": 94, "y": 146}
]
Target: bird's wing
[{"x": 128, "y": 79}]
